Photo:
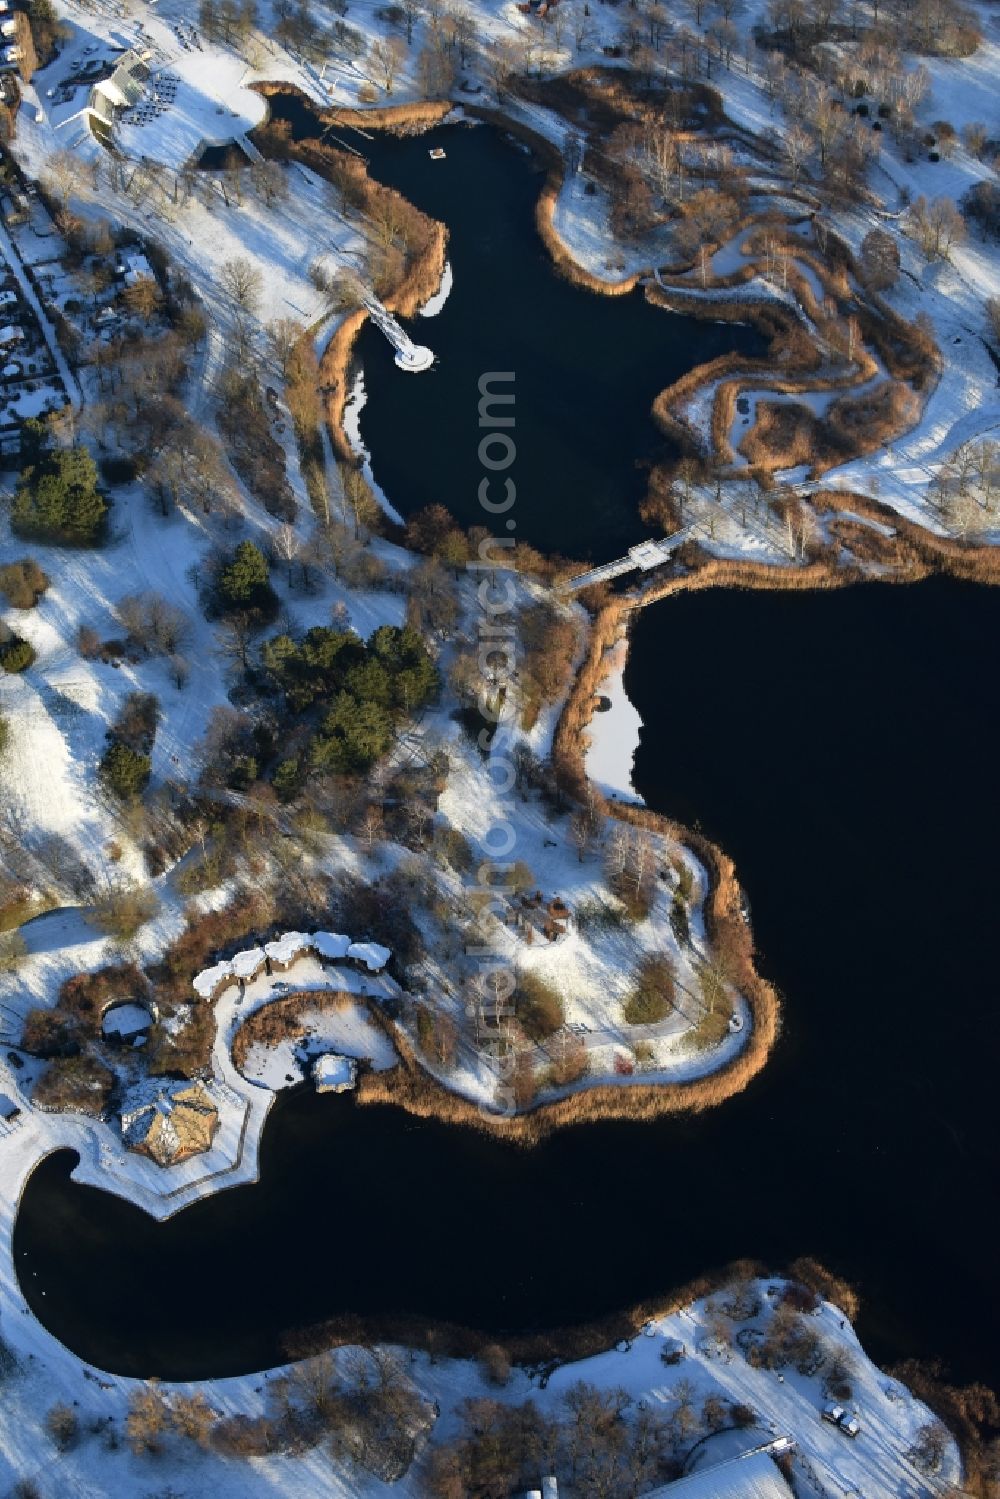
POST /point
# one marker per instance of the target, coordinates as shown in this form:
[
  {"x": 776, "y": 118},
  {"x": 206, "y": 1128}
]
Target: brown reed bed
[
  {"x": 545, "y": 206},
  {"x": 783, "y": 435},
  {"x": 334, "y": 369},
  {"x": 281, "y": 1019},
  {"x": 567, "y": 1344},
  {"x": 401, "y": 118},
  {"x": 972, "y": 1415},
  {"x": 923, "y": 552}
]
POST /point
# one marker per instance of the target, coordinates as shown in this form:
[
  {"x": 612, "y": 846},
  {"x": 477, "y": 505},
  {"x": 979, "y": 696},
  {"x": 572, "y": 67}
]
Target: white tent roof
[
  {"x": 331, "y": 944},
  {"x": 288, "y": 946},
  {"x": 248, "y": 963},
  {"x": 206, "y": 982},
  {"x": 372, "y": 954}
]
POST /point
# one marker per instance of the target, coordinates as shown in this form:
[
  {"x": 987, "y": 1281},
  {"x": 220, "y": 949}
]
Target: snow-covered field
[{"x": 877, "y": 1464}]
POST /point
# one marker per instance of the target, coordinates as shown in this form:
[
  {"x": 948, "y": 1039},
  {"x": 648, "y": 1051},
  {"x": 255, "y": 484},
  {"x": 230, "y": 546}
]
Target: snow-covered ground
[
  {"x": 614, "y": 733},
  {"x": 877, "y": 1464}
]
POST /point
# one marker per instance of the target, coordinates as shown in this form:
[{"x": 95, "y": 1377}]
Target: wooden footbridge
[
  {"x": 643, "y": 557},
  {"x": 649, "y": 554}
]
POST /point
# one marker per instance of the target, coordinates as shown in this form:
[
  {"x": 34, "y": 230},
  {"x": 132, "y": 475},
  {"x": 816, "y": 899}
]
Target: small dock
[{"x": 409, "y": 356}]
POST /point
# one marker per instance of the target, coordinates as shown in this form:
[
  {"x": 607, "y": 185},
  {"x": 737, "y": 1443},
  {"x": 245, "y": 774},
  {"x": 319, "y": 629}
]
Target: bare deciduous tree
[
  {"x": 386, "y": 56},
  {"x": 242, "y": 282}
]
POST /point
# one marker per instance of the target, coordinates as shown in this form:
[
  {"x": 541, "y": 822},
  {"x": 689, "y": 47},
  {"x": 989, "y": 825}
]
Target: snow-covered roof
[
  {"x": 752, "y": 1477},
  {"x": 206, "y": 982},
  {"x": 333, "y": 1073},
  {"x": 247, "y": 964},
  {"x": 126, "y": 1019},
  {"x": 110, "y": 91},
  {"x": 288, "y": 946},
  {"x": 137, "y": 268},
  {"x": 371, "y": 954},
  {"x": 331, "y": 944},
  {"x": 169, "y": 1121}
]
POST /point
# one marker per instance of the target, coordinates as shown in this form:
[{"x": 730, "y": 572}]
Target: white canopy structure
[
  {"x": 753, "y": 1476},
  {"x": 371, "y": 954}
]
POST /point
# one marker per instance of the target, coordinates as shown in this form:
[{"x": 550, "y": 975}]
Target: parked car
[{"x": 838, "y": 1416}]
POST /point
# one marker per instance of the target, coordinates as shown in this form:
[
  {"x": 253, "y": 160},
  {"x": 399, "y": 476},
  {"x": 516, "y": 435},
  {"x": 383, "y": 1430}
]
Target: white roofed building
[
  {"x": 371, "y": 954},
  {"x": 753, "y": 1476},
  {"x": 247, "y": 964},
  {"x": 333, "y": 1073},
  {"x": 331, "y": 945},
  {"x": 210, "y": 983},
  {"x": 136, "y": 267},
  {"x": 287, "y": 949}
]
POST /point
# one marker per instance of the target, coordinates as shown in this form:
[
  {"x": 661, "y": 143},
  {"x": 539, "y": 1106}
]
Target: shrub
[
  {"x": 4, "y": 735},
  {"x": 243, "y": 584},
  {"x": 801, "y": 1298},
  {"x": 57, "y": 499},
  {"x": 88, "y": 642},
  {"x": 122, "y": 909},
  {"x": 187, "y": 1047},
  {"x": 79, "y": 1085},
  {"x": 125, "y": 771},
  {"x": 49, "y": 1033},
  {"x": 993, "y": 313},
  {"x": 837, "y": 1383},
  {"x": 709, "y": 1030},
  {"x": 12, "y": 951},
  {"x": 136, "y": 723},
  {"x": 494, "y": 1362},
  {"x": 148, "y": 1419},
  {"x": 652, "y": 998},
  {"x": 16, "y": 654},
  {"x": 569, "y": 1063},
  {"x": 257, "y": 455},
  {"x": 982, "y": 204},
  {"x": 23, "y": 583},
  {"x": 63, "y": 1426},
  {"x": 879, "y": 260},
  {"x": 539, "y": 1007}
]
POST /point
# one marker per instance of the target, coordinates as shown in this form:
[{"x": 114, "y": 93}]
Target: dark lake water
[
  {"x": 839, "y": 745},
  {"x": 587, "y": 367}
]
